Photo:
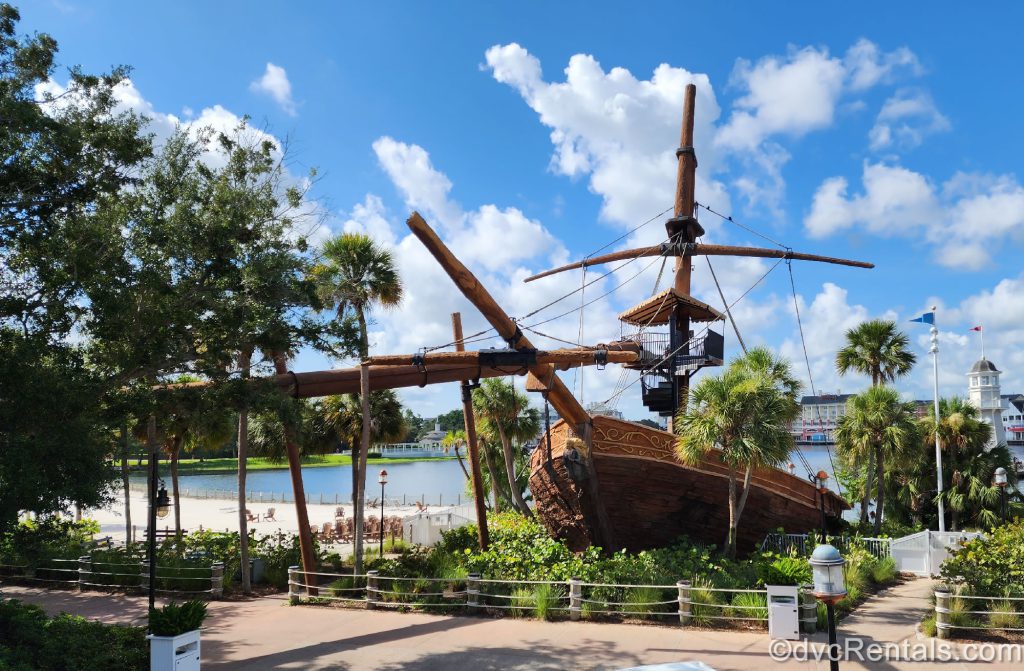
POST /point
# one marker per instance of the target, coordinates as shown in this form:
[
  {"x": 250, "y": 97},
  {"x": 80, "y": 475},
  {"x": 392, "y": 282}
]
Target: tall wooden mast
[{"x": 683, "y": 228}]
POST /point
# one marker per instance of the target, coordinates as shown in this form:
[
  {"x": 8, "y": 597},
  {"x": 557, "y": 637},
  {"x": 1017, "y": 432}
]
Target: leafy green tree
[
  {"x": 878, "y": 349},
  {"x": 743, "y": 417},
  {"x": 504, "y": 415},
  {"x": 454, "y": 440},
  {"x": 877, "y": 422}
]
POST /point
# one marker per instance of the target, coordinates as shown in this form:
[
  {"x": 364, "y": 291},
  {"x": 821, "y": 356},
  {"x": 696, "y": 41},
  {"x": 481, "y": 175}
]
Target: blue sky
[{"x": 533, "y": 133}]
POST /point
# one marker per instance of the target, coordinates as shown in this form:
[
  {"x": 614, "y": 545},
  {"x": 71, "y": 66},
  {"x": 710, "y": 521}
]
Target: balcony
[{"x": 656, "y": 348}]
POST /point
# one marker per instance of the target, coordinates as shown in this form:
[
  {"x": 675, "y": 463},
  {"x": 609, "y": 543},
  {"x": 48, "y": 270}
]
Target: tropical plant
[
  {"x": 881, "y": 427},
  {"x": 504, "y": 415},
  {"x": 875, "y": 348},
  {"x": 175, "y": 619},
  {"x": 743, "y": 416},
  {"x": 453, "y": 440}
]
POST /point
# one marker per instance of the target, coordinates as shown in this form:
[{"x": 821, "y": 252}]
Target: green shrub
[
  {"x": 705, "y": 602},
  {"x": 989, "y": 565},
  {"x": 928, "y": 627},
  {"x": 749, "y": 604},
  {"x": 884, "y": 571},
  {"x": 30, "y": 640},
  {"x": 523, "y": 602},
  {"x": 546, "y": 599},
  {"x": 1004, "y": 613},
  {"x": 174, "y": 619},
  {"x": 783, "y": 570},
  {"x": 640, "y": 600}
]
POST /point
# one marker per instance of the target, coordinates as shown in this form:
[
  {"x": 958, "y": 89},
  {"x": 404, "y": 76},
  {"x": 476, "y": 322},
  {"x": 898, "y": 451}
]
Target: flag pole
[
  {"x": 981, "y": 330},
  {"x": 938, "y": 449}
]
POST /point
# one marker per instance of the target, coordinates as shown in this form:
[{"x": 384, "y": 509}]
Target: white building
[
  {"x": 818, "y": 417},
  {"x": 1013, "y": 419},
  {"x": 983, "y": 393},
  {"x": 598, "y": 408},
  {"x": 435, "y": 436}
]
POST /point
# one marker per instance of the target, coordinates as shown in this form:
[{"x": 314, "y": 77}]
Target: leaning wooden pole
[
  {"x": 542, "y": 376},
  {"x": 291, "y": 445},
  {"x": 479, "y": 496},
  {"x": 359, "y": 499}
]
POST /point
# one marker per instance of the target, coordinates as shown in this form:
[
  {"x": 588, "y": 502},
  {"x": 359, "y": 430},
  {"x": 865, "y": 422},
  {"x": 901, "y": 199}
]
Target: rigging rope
[
  {"x": 807, "y": 360},
  {"x": 744, "y": 227},
  {"x": 728, "y": 311}
]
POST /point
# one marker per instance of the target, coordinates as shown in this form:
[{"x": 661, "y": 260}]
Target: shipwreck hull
[{"x": 652, "y": 498}]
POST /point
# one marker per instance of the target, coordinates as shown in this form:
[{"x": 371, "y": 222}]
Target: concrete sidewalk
[{"x": 267, "y": 633}]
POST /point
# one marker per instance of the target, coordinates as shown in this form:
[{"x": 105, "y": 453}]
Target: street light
[
  {"x": 820, "y": 479},
  {"x": 829, "y": 588},
  {"x": 163, "y": 502},
  {"x": 383, "y": 480},
  {"x": 999, "y": 480}
]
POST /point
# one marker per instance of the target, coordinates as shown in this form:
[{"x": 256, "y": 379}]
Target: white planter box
[{"x": 174, "y": 653}]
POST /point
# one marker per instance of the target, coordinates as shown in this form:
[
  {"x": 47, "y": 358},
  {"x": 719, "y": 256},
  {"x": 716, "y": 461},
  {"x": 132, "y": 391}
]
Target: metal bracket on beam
[
  {"x": 601, "y": 358},
  {"x": 502, "y": 358},
  {"x": 419, "y": 361}
]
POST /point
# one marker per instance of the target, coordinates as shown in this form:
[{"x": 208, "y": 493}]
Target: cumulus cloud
[
  {"x": 962, "y": 219},
  {"x": 274, "y": 83},
  {"x": 905, "y": 120},
  {"x": 867, "y": 65}
]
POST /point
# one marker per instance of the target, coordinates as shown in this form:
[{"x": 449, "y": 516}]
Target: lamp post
[
  {"x": 999, "y": 480},
  {"x": 819, "y": 482},
  {"x": 829, "y": 588},
  {"x": 383, "y": 480}
]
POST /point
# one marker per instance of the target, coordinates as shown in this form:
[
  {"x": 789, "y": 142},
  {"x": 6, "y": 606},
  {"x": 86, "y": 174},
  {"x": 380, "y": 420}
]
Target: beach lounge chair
[
  {"x": 250, "y": 517},
  {"x": 327, "y": 534},
  {"x": 269, "y": 515},
  {"x": 339, "y": 512}
]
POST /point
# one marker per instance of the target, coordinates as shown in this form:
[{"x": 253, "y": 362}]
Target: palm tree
[
  {"x": 453, "y": 440},
  {"x": 355, "y": 275},
  {"x": 342, "y": 416},
  {"x": 743, "y": 415},
  {"x": 877, "y": 349},
  {"x": 968, "y": 463},
  {"x": 877, "y": 422},
  {"x": 505, "y": 416}
]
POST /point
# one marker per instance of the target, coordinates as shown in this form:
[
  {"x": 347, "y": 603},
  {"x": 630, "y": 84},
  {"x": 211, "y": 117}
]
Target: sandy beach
[{"x": 222, "y": 515}]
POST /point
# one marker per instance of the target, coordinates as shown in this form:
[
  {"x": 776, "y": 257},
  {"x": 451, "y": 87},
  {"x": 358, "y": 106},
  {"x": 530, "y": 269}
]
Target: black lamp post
[
  {"x": 383, "y": 480},
  {"x": 819, "y": 481},
  {"x": 829, "y": 588},
  {"x": 159, "y": 507},
  {"x": 999, "y": 480}
]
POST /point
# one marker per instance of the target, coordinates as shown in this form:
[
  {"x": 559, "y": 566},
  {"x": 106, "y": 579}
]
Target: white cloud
[
  {"x": 963, "y": 219},
  {"x": 274, "y": 83},
  {"x": 905, "y": 119},
  {"x": 867, "y": 66}
]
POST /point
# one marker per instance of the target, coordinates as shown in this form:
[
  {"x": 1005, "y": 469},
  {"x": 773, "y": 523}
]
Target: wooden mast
[
  {"x": 683, "y": 228},
  {"x": 479, "y": 498},
  {"x": 541, "y": 377}
]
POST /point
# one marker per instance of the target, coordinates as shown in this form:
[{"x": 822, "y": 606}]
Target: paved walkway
[{"x": 267, "y": 633}]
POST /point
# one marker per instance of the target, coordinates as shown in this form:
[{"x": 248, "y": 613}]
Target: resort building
[
  {"x": 1013, "y": 419},
  {"x": 983, "y": 393},
  {"x": 818, "y": 418},
  {"x": 603, "y": 409},
  {"x": 435, "y": 436}
]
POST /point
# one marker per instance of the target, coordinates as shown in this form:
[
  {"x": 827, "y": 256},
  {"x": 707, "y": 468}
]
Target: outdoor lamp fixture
[
  {"x": 820, "y": 478},
  {"x": 829, "y": 588},
  {"x": 999, "y": 480},
  {"x": 383, "y": 480},
  {"x": 163, "y": 502}
]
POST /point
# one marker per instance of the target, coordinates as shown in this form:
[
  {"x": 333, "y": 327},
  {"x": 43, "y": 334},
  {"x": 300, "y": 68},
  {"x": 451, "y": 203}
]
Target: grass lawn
[{"x": 230, "y": 465}]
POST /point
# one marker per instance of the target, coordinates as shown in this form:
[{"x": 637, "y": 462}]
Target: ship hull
[{"x": 652, "y": 498}]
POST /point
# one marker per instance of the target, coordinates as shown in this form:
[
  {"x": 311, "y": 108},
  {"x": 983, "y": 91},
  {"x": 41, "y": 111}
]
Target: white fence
[
  {"x": 684, "y": 602},
  {"x": 426, "y": 528},
  {"x": 800, "y": 543},
  {"x": 335, "y": 499},
  {"x": 923, "y": 553}
]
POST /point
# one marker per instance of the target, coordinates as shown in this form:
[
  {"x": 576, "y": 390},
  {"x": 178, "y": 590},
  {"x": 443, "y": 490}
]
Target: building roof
[
  {"x": 824, "y": 398},
  {"x": 984, "y": 366},
  {"x": 657, "y": 310}
]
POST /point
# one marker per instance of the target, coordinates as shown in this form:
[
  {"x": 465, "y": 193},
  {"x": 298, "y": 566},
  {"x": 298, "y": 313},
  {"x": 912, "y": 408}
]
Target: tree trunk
[
  {"x": 175, "y": 453},
  {"x": 510, "y": 469},
  {"x": 880, "y": 482},
  {"x": 495, "y": 483},
  {"x": 865, "y": 502},
  {"x": 244, "y": 363},
  {"x": 358, "y": 478},
  {"x": 743, "y": 497},
  {"x": 364, "y": 449},
  {"x": 295, "y": 469},
  {"x": 462, "y": 465},
  {"x": 730, "y": 539},
  {"x": 126, "y": 483}
]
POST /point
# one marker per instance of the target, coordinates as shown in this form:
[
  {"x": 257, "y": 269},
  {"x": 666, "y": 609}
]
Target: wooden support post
[
  {"x": 808, "y": 609},
  {"x": 217, "y": 580},
  {"x": 942, "y": 624},
  {"x": 473, "y": 591},
  {"x": 685, "y": 607},
  {"x": 293, "y": 586},
  {"x": 479, "y": 496},
  {"x": 84, "y": 572},
  {"x": 295, "y": 470},
  {"x": 371, "y": 589},
  {"x": 575, "y": 598}
]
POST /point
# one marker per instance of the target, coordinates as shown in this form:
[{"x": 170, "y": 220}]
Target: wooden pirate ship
[{"x": 599, "y": 480}]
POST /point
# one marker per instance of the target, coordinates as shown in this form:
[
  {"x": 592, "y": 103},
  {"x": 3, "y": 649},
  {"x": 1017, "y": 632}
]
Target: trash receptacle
[{"x": 783, "y": 612}]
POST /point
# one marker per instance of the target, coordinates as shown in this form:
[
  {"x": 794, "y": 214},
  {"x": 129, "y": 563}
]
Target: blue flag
[{"x": 926, "y": 318}]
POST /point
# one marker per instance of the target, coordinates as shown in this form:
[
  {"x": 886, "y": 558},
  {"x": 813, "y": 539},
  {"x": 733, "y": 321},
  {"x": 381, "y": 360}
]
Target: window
[{"x": 984, "y": 379}]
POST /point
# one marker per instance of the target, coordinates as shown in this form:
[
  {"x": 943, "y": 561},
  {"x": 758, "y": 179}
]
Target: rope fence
[
  {"x": 685, "y": 602},
  {"x": 85, "y": 573},
  {"x": 324, "y": 499},
  {"x": 954, "y": 611}
]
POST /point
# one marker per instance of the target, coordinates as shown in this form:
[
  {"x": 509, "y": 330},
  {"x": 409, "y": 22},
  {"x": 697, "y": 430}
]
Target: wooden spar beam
[
  {"x": 469, "y": 422},
  {"x": 559, "y": 396},
  {"x": 701, "y": 250},
  {"x": 555, "y": 390},
  {"x": 557, "y": 357}
]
